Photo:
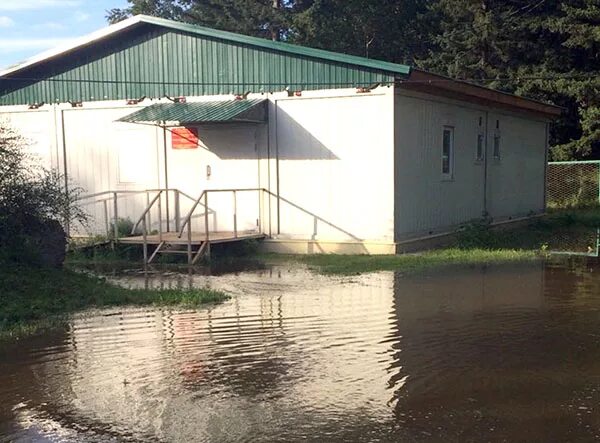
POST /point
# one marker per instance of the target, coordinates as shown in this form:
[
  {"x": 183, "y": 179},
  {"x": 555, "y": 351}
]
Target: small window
[
  {"x": 448, "y": 152},
  {"x": 497, "y": 146},
  {"x": 480, "y": 147}
]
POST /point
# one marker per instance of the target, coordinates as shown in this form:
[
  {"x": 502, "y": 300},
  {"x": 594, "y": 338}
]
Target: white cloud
[
  {"x": 81, "y": 16},
  {"x": 19, "y": 5},
  {"x": 25, "y": 44},
  {"x": 6, "y": 22}
]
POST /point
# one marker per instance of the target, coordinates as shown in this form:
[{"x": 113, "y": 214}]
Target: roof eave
[
  {"x": 75, "y": 44},
  {"x": 427, "y": 82}
]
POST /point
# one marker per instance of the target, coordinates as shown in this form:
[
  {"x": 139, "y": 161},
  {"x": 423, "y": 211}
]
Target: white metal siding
[
  {"x": 424, "y": 199},
  {"x": 335, "y": 159},
  {"x": 425, "y": 202},
  {"x": 516, "y": 181}
]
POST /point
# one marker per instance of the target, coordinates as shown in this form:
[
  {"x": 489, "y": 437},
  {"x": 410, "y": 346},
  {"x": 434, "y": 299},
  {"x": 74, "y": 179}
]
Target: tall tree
[
  {"x": 546, "y": 49},
  {"x": 388, "y": 30},
  {"x": 260, "y": 18}
]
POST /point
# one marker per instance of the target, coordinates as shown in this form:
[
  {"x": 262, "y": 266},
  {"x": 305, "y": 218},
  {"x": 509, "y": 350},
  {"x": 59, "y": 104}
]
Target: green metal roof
[
  {"x": 198, "y": 112},
  {"x": 278, "y": 46},
  {"x": 152, "y": 57}
]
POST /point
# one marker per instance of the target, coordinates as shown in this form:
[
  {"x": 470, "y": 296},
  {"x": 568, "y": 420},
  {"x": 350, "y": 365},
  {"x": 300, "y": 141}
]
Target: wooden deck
[{"x": 197, "y": 238}]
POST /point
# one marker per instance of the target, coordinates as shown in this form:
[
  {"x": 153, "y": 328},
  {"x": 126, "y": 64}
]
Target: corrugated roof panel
[
  {"x": 197, "y": 112},
  {"x": 153, "y": 61}
]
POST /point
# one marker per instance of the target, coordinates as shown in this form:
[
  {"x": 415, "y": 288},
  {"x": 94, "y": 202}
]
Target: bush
[{"x": 33, "y": 204}]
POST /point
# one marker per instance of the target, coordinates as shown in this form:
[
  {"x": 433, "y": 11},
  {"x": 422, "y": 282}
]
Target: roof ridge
[{"x": 213, "y": 33}]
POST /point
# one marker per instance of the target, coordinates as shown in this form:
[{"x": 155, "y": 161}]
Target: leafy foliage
[{"x": 31, "y": 197}]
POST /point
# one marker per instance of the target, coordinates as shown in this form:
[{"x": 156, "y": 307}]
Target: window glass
[
  {"x": 480, "y": 147},
  {"x": 497, "y": 146},
  {"x": 447, "y": 151}
]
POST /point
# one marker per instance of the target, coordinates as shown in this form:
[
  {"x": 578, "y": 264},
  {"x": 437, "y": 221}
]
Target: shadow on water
[{"x": 502, "y": 353}]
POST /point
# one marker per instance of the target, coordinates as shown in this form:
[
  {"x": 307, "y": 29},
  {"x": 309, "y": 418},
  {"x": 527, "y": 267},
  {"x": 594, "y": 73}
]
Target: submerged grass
[{"x": 32, "y": 298}]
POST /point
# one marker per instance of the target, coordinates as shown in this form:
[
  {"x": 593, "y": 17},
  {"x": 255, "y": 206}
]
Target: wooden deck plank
[{"x": 197, "y": 238}]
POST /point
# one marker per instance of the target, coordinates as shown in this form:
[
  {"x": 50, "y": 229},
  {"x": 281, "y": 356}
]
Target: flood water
[{"x": 503, "y": 353}]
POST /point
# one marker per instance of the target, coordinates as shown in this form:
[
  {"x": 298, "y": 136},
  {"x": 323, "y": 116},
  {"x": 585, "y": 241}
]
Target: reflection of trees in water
[{"x": 490, "y": 349}]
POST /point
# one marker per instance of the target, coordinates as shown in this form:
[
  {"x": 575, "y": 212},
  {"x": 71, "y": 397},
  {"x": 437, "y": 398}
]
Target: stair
[{"x": 197, "y": 250}]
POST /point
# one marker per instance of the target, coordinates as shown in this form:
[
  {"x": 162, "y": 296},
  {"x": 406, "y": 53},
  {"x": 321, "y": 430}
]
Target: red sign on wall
[{"x": 184, "y": 138}]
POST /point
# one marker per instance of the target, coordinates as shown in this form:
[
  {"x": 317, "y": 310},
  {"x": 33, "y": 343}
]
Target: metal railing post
[
  {"x": 207, "y": 237},
  {"x": 149, "y": 212},
  {"x": 116, "y": 217},
  {"x": 106, "y": 223},
  {"x": 189, "y": 243},
  {"x": 160, "y": 231},
  {"x": 145, "y": 235},
  {"x": 235, "y": 233},
  {"x": 177, "y": 210}
]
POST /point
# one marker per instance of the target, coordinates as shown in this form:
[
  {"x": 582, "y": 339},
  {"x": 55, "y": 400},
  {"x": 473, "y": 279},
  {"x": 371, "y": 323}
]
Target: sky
[{"x": 28, "y": 27}]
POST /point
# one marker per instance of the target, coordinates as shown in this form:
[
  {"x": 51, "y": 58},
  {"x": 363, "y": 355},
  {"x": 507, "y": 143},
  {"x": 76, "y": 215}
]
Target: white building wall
[
  {"x": 516, "y": 181},
  {"x": 426, "y": 202},
  {"x": 334, "y": 154},
  {"x": 37, "y": 129}
]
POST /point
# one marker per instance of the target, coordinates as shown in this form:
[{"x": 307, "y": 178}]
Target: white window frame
[{"x": 449, "y": 175}]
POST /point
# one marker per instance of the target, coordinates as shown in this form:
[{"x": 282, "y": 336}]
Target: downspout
[
  {"x": 277, "y": 175},
  {"x": 546, "y": 152},
  {"x": 166, "y": 171},
  {"x": 485, "y": 166},
  {"x": 66, "y": 173}
]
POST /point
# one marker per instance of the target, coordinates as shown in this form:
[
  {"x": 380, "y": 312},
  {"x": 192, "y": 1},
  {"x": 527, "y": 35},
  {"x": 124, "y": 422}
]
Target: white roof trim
[{"x": 76, "y": 43}]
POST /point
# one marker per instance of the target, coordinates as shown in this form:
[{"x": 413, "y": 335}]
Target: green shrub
[{"x": 32, "y": 199}]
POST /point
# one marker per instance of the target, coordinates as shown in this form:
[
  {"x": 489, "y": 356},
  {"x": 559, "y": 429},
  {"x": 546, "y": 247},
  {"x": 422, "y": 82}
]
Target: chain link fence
[{"x": 573, "y": 184}]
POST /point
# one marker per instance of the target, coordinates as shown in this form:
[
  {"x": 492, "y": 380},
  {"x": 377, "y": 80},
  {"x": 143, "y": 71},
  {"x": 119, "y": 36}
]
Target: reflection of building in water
[
  {"x": 286, "y": 349},
  {"x": 300, "y": 355}
]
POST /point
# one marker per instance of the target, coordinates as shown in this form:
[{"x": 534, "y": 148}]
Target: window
[
  {"x": 448, "y": 152},
  {"x": 480, "y": 147},
  {"x": 497, "y": 141},
  {"x": 497, "y": 146}
]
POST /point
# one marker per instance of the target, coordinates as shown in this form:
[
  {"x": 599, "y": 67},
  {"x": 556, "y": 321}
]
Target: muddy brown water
[{"x": 502, "y": 353}]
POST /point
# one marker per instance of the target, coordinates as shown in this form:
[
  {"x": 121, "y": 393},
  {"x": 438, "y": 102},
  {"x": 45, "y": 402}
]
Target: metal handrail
[
  {"x": 188, "y": 218},
  {"x": 148, "y": 208}
]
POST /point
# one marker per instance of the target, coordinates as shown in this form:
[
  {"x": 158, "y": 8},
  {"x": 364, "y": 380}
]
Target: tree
[
  {"x": 387, "y": 30},
  {"x": 545, "y": 50},
  {"x": 260, "y": 18}
]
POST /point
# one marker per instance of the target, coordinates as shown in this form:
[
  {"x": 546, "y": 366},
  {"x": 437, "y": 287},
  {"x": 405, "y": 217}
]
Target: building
[{"x": 327, "y": 152}]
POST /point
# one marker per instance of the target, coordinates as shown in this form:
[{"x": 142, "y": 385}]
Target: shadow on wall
[{"x": 238, "y": 141}]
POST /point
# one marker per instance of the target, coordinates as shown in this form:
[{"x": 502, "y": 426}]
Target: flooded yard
[{"x": 501, "y": 353}]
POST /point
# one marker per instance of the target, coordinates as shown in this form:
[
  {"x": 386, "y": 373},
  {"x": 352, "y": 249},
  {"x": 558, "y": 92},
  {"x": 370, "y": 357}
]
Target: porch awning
[{"x": 178, "y": 114}]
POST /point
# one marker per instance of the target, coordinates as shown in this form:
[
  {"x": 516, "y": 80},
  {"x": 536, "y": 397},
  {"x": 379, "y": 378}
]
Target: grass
[
  {"x": 356, "y": 264},
  {"x": 32, "y": 299},
  {"x": 476, "y": 244}
]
